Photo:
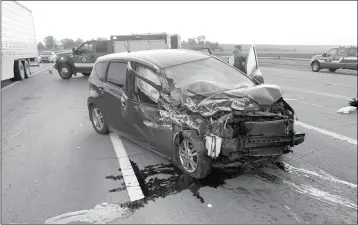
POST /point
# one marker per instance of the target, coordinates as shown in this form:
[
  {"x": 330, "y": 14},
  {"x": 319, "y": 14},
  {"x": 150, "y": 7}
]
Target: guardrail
[
  {"x": 276, "y": 57},
  {"x": 284, "y": 58}
]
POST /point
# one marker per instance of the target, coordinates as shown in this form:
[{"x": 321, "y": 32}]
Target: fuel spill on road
[{"x": 161, "y": 180}]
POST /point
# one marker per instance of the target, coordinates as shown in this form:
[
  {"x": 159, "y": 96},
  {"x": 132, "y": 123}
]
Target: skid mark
[
  {"x": 322, "y": 196},
  {"x": 311, "y": 173}
]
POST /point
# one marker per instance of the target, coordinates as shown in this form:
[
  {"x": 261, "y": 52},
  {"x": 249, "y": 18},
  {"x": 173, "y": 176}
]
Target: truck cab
[
  {"x": 344, "y": 57},
  {"x": 82, "y": 59}
]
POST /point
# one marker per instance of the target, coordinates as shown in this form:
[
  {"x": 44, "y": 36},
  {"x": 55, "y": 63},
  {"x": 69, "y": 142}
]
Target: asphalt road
[{"x": 55, "y": 168}]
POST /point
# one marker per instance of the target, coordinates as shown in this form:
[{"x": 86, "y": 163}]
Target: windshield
[
  {"x": 47, "y": 53},
  {"x": 207, "y": 76}
]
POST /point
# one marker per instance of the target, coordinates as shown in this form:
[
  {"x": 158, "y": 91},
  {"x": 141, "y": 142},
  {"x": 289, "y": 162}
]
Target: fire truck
[{"x": 81, "y": 60}]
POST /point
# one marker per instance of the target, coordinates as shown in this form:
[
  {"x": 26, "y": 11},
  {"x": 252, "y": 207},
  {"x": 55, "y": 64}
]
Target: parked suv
[{"x": 336, "y": 58}]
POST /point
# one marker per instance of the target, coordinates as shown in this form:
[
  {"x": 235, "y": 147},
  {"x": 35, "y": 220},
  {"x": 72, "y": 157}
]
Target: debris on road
[
  {"x": 210, "y": 205},
  {"x": 347, "y": 109}
]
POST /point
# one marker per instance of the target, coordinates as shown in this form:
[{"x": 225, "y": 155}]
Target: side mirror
[
  {"x": 258, "y": 76},
  {"x": 324, "y": 54}
]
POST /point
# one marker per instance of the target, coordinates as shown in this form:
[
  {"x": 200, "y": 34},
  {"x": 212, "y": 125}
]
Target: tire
[
  {"x": 27, "y": 69},
  {"x": 65, "y": 71},
  {"x": 19, "y": 70},
  {"x": 103, "y": 129},
  {"x": 86, "y": 74},
  {"x": 202, "y": 160},
  {"x": 315, "y": 66},
  {"x": 332, "y": 70}
]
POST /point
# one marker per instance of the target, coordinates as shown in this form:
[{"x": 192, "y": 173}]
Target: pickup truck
[
  {"x": 82, "y": 59},
  {"x": 344, "y": 57}
]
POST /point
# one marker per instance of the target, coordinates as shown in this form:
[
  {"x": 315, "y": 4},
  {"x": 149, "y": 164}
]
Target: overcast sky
[{"x": 302, "y": 23}]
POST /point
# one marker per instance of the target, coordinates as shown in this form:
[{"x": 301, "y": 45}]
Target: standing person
[{"x": 238, "y": 60}]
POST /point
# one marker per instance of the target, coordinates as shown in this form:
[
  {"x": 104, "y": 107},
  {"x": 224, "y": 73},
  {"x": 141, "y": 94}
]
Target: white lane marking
[
  {"x": 344, "y": 85},
  {"x": 326, "y": 132},
  {"x": 101, "y": 214},
  {"x": 130, "y": 179},
  {"x": 37, "y": 72},
  {"x": 322, "y": 195},
  {"x": 311, "y": 173},
  {"x": 317, "y": 93},
  {"x": 290, "y": 99}
]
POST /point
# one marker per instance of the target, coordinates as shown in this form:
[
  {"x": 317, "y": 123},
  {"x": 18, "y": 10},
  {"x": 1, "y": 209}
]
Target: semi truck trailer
[{"x": 18, "y": 41}]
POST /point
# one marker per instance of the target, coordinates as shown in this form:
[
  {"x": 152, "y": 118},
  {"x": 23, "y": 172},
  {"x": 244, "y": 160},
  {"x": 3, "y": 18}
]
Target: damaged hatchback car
[{"x": 191, "y": 107}]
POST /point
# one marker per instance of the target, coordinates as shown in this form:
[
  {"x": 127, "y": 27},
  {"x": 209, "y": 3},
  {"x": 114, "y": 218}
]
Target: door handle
[
  {"x": 101, "y": 89},
  {"x": 124, "y": 101}
]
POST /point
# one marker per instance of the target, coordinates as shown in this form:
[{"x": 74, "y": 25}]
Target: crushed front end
[{"x": 233, "y": 125}]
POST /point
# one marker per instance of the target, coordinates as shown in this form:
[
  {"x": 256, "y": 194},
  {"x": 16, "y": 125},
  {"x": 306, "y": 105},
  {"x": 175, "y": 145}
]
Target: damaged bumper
[{"x": 260, "y": 145}]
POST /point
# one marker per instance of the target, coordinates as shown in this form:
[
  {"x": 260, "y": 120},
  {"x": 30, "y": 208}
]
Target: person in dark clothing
[{"x": 238, "y": 60}]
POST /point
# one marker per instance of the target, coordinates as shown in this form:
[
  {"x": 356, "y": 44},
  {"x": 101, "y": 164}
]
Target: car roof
[{"x": 163, "y": 58}]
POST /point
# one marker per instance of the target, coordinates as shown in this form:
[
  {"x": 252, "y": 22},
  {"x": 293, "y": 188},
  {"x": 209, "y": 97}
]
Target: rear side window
[
  {"x": 101, "y": 69},
  {"x": 117, "y": 72},
  {"x": 101, "y": 46},
  {"x": 352, "y": 52}
]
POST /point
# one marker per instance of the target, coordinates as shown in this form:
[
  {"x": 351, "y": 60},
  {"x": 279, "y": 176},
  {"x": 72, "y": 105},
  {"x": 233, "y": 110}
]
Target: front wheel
[
  {"x": 332, "y": 70},
  {"x": 315, "y": 67},
  {"x": 65, "y": 71},
  {"x": 192, "y": 156},
  {"x": 98, "y": 121}
]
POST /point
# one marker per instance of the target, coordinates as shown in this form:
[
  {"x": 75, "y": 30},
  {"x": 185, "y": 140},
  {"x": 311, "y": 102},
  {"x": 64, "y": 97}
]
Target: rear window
[
  {"x": 101, "y": 69},
  {"x": 353, "y": 52},
  {"x": 117, "y": 73}
]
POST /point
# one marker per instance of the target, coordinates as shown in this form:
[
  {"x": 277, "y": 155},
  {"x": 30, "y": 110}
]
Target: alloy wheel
[{"x": 188, "y": 156}]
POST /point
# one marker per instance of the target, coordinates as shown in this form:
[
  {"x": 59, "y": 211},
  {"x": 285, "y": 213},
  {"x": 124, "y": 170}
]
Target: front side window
[
  {"x": 206, "y": 76},
  {"x": 342, "y": 52},
  {"x": 87, "y": 47},
  {"x": 117, "y": 72},
  {"x": 101, "y": 69},
  {"x": 145, "y": 92},
  {"x": 332, "y": 52}
]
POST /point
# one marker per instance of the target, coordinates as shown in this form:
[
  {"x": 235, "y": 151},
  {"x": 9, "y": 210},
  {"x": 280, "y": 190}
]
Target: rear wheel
[
  {"x": 316, "y": 66},
  {"x": 98, "y": 121},
  {"x": 332, "y": 70},
  {"x": 192, "y": 157},
  {"x": 27, "y": 69},
  {"x": 86, "y": 74},
  {"x": 65, "y": 71},
  {"x": 19, "y": 70}
]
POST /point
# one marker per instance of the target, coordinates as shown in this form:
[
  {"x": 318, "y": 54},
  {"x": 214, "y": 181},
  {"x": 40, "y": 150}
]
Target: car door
[
  {"x": 252, "y": 65},
  {"x": 114, "y": 92},
  {"x": 351, "y": 60},
  {"x": 339, "y": 61},
  {"x": 143, "y": 110},
  {"x": 329, "y": 58}
]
